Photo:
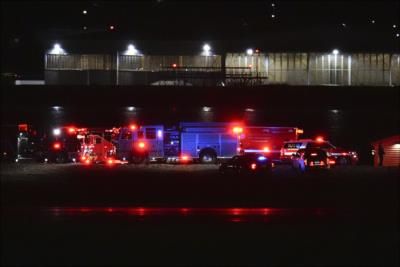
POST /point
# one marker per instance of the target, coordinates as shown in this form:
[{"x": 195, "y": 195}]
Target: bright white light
[
  {"x": 373, "y": 21},
  {"x": 131, "y": 108},
  {"x": 57, "y": 50},
  {"x": 56, "y": 108},
  {"x": 335, "y": 51},
  {"x": 56, "y": 131},
  {"x": 73, "y": 159},
  {"x": 46, "y": 160},
  {"x": 273, "y": 16},
  {"x": 249, "y": 51},
  {"x": 84, "y": 12},
  {"x": 396, "y": 146},
  {"x": 159, "y": 134},
  {"x": 206, "y": 109},
  {"x": 335, "y": 111},
  {"x": 344, "y": 24},
  {"x": 272, "y": 4},
  {"x": 131, "y": 51},
  {"x": 394, "y": 26},
  {"x": 397, "y": 34},
  {"x": 206, "y": 49},
  {"x": 84, "y": 27},
  {"x": 249, "y": 110}
]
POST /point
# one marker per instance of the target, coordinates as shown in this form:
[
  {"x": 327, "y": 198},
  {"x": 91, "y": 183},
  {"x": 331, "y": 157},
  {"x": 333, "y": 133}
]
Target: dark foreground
[{"x": 166, "y": 214}]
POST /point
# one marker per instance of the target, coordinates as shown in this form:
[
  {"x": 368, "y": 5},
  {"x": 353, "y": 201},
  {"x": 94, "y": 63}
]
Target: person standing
[{"x": 381, "y": 153}]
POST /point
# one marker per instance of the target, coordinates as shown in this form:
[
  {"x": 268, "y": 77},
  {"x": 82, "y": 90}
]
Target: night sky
[{"x": 30, "y": 28}]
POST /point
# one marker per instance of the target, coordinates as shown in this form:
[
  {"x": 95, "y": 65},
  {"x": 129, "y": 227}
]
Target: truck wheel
[{"x": 208, "y": 156}]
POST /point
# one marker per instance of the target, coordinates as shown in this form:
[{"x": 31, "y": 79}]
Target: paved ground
[{"x": 172, "y": 214}]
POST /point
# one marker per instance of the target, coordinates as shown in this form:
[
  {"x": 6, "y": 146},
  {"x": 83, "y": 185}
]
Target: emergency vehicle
[
  {"x": 339, "y": 155},
  {"x": 96, "y": 146},
  {"x": 61, "y": 145},
  {"x": 262, "y": 139}
]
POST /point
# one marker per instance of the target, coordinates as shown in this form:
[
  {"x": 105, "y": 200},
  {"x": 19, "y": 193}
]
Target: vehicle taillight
[
  {"x": 87, "y": 161},
  {"x": 319, "y": 139},
  {"x": 331, "y": 162},
  {"x": 253, "y": 166},
  {"x": 71, "y": 130},
  {"x": 110, "y": 162},
  {"x": 132, "y": 127}
]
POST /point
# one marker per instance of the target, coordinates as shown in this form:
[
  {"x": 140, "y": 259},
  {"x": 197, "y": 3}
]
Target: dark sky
[{"x": 30, "y": 28}]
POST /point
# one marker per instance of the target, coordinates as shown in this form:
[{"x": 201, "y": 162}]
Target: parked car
[
  {"x": 251, "y": 163},
  {"x": 311, "y": 159}
]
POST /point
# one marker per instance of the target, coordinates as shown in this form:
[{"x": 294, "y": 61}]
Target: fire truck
[
  {"x": 96, "y": 146},
  {"x": 269, "y": 140},
  {"x": 205, "y": 142},
  {"x": 61, "y": 145}
]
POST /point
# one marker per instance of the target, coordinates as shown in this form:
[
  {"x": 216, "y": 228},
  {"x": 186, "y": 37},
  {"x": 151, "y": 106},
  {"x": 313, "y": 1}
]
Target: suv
[{"x": 339, "y": 155}]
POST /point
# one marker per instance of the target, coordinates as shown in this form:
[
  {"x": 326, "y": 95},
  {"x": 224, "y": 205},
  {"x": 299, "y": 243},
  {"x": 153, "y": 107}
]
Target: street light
[
  {"x": 249, "y": 51},
  {"x": 335, "y": 51}
]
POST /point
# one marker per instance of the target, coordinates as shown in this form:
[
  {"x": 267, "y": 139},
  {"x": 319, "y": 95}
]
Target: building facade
[{"x": 231, "y": 69}]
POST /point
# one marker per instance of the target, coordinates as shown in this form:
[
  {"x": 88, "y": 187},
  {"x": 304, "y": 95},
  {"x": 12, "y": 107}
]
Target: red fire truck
[{"x": 269, "y": 140}]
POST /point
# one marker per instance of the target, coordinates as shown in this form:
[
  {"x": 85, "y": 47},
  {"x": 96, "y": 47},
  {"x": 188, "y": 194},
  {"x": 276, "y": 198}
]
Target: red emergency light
[
  {"x": 141, "y": 145},
  {"x": 319, "y": 139},
  {"x": 331, "y": 161},
  {"x": 266, "y": 149},
  {"x": 185, "y": 158},
  {"x": 23, "y": 127},
  {"x": 237, "y": 130},
  {"x": 133, "y": 127},
  {"x": 71, "y": 130},
  {"x": 56, "y": 146}
]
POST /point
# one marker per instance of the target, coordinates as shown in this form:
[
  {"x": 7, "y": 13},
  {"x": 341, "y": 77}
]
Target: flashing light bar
[{"x": 237, "y": 130}]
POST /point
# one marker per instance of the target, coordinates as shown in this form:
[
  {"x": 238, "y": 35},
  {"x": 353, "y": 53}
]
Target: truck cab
[{"x": 138, "y": 144}]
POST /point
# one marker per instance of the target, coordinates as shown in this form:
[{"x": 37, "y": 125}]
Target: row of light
[{"x": 132, "y": 51}]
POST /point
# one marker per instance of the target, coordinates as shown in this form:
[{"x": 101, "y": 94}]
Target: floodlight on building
[
  {"x": 335, "y": 51},
  {"x": 249, "y": 51},
  {"x": 56, "y": 131},
  {"x": 131, "y": 50},
  {"x": 57, "y": 50},
  {"x": 206, "y": 49}
]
